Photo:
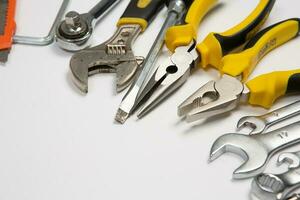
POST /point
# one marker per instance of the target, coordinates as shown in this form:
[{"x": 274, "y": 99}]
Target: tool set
[{"x": 234, "y": 53}]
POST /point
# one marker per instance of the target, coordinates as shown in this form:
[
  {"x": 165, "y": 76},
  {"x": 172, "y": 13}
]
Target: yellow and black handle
[
  {"x": 141, "y": 12},
  {"x": 244, "y": 63},
  {"x": 216, "y": 45},
  {"x": 267, "y": 88},
  {"x": 183, "y": 35}
]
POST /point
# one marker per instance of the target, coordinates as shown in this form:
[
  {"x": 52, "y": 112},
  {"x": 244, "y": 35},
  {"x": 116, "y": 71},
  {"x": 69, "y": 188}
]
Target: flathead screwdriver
[{"x": 176, "y": 11}]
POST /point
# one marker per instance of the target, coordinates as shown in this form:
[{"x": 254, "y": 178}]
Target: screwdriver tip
[{"x": 121, "y": 116}]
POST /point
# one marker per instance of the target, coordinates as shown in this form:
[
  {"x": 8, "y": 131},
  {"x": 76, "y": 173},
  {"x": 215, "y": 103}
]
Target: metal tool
[
  {"x": 116, "y": 54},
  {"x": 7, "y": 11},
  {"x": 279, "y": 186},
  {"x": 223, "y": 95},
  {"x": 75, "y": 31},
  {"x": 187, "y": 54},
  {"x": 176, "y": 10},
  {"x": 260, "y": 124},
  {"x": 256, "y": 150}
]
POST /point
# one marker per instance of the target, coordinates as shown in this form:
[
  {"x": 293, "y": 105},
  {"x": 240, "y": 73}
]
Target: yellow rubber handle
[
  {"x": 265, "y": 41},
  {"x": 267, "y": 88},
  {"x": 182, "y": 35},
  {"x": 215, "y": 45}
]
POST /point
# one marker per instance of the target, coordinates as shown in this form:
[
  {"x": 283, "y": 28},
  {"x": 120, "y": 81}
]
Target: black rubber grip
[
  {"x": 293, "y": 84},
  {"x": 232, "y": 42},
  {"x": 147, "y": 13},
  {"x": 259, "y": 35}
]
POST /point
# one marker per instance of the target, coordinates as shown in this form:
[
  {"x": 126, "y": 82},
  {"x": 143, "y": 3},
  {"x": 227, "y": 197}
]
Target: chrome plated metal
[
  {"x": 113, "y": 56},
  {"x": 256, "y": 150},
  {"x": 129, "y": 103},
  {"x": 214, "y": 98},
  {"x": 279, "y": 186},
  {"x": 260, "y": 124},
  {"x": 74, "y": 33}
]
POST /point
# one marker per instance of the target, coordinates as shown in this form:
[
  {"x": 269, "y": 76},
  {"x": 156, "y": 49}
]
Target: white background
[{"x": 56, "y": 144}]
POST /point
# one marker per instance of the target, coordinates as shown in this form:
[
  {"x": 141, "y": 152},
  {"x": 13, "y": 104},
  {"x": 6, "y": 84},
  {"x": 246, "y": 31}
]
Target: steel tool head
[
  {"x": 96, "y": 60},
  {"x": 278, "y": 186},
  {"x": 251, "y": 150},
  {"x": 257, "y": 124},
  {"x": 168, "y": 77},
  {"x": 75, "y": 31},
  {"x": 214, "y": 98},
  {"x": 292, "y": 159}
]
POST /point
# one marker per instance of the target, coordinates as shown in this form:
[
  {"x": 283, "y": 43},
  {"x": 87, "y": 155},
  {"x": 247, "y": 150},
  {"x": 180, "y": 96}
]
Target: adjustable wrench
[
  {"x": 75, "y": 31},
  {"x": 279, "y": 186},
  {"x": 116, "y": 55},
  {"x": 260, "y": 124},
  {"x": 256, "y": 150}
]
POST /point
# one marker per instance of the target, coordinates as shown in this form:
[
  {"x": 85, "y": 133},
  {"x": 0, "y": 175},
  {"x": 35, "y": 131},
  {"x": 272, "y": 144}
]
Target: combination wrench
[
  {"x": 279, "y": 186},
  {"x": 256, "y": 150},
  {"x": 260, "y": 124}
]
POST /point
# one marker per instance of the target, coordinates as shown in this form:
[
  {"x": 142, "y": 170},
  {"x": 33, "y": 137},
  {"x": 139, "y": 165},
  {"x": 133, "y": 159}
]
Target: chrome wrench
[
  {"x": 279, "y": 186},
  {"x": 256, "y": 150},
  {"x": 75, "y": 31},
  {"x": 260, "y": 124}
]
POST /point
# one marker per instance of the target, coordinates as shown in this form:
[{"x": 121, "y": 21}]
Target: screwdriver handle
[
  {"x": 6, "y": 36},
  {"x": 141, "y": 12},
  {"x": 267, "y": 88},
  {"x": 183, "y": 35},
  {"x": 217, "y": 45},
  {"x": 265, "y": 41}
]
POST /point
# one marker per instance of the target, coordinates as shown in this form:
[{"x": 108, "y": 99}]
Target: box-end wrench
[
  {"x": 75, "y": 31},
  {"x": 260, "y": 124},
  {"x": 256, "y": 150},
  {"x": 279, "y": 186}
]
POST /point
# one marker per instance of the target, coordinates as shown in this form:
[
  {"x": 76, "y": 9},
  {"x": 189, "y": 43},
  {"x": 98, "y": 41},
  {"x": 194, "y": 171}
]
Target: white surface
[{"x": 56, "y": 144}]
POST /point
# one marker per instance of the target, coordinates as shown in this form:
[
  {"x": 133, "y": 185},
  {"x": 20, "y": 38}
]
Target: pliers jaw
[
  {"x": 214, "y": 98},
  {"x": 168, "y": 77}
]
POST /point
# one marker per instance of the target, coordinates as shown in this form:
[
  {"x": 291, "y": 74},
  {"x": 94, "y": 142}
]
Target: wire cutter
[
  {"x": 170, "y": 75},
  {"x": 225, "y": 94}
]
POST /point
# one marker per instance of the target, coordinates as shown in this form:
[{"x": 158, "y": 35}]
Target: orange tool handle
[{"x": 6, "y": 37}]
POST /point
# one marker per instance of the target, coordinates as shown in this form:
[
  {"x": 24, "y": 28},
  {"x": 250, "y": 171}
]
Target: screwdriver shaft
[{"x": 175, "y": 12}]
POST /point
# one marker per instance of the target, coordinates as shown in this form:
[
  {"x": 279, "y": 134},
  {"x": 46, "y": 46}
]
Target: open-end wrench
[
  {"x": 256, "y": 150},
  {"x": 279, "y": 186},
  {"x": 116, "y": 55},
  {"x": 75, "y": 31},
  {"x": 260, "y": 124}
]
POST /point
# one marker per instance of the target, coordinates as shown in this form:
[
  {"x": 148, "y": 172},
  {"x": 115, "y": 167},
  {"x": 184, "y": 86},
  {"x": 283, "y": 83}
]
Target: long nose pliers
[{"x": 187, "y": 54}]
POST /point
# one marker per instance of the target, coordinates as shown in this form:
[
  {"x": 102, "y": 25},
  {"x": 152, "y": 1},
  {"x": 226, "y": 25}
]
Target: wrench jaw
[
  {"x": 257, "y": 125},
  {"x": 96, "y": 60},
  {"x": 254, "y": 154},
  {"x": 281, "y": 186},
  {"x": 292, "y": 159}
]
